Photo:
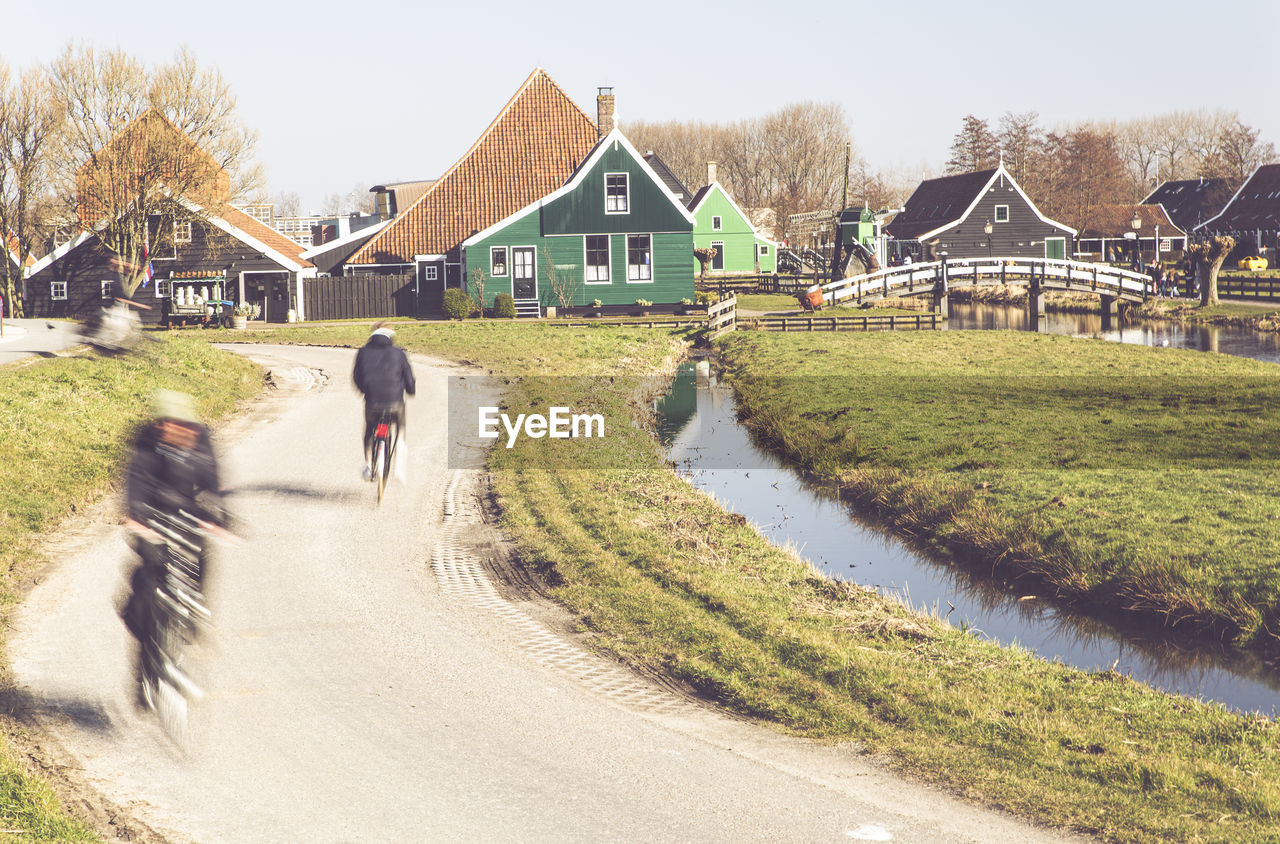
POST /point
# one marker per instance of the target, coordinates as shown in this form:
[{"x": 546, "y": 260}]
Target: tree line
[{"x": 1071, "y": 171}]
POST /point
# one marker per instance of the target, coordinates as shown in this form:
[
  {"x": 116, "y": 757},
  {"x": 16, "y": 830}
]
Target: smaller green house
[
  {"x": 740, "y": 248},
  {"x": 614, "y": 233}
]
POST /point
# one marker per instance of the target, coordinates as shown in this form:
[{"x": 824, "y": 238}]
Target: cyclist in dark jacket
[
  {"x": 382, "y": 373},
  {"x": 173, "y": 469}
]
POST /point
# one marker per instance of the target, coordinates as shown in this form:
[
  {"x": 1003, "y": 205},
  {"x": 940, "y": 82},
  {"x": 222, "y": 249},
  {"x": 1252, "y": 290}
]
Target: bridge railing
[{"x": 924, "y": 277}]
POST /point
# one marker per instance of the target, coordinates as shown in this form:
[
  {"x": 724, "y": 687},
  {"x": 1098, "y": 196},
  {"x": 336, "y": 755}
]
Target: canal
[{"x": 702, "y": 435}]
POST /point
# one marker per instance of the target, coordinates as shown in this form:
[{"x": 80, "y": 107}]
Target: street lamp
[
  {"x": 1136, "y": 224},
  {"x": 988, "y": 229}
]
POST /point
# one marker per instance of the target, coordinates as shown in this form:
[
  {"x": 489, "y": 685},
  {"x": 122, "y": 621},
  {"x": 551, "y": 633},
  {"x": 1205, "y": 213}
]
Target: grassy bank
[
  {"x": 1124, "y": 478},
  {"x": 666, "y": 580},
  {"x": 65, "y": 424}
]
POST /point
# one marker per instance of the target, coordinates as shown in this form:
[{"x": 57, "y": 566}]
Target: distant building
[
  {"x": 1109, "y": 235},
  {"x": 1189, "y": 202},
  {"x": 950, "y": 214},
  {"x": 1252, "y": 216}
]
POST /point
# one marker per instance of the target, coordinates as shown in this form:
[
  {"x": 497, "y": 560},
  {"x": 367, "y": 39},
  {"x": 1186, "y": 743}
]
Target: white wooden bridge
[{"x": 935, "y": 278}]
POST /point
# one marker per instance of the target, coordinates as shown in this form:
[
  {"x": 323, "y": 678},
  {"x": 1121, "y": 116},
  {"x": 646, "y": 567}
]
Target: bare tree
[
  {"x": 974, "y": 147},
  {"x": 29, "y": 117},
  {"x": 1206, "y": 259},
  {"x": 142, "y": 150},
  {"x": 564, "y": 285},
  {"x": 1086, "y": 173},
  {"x": 1022, "y": 141},
  {"x": 287, "y": 204},
  {"x": 791, "y": 160},
  {"x": 1240, "y": 152}
]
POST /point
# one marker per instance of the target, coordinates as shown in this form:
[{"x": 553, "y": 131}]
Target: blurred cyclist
[
  {"x": 382, "y": 373},
  {"x": 173, "y": 468}
]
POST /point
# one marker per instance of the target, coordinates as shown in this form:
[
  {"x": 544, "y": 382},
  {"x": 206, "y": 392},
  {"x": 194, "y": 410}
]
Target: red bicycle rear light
[{"x": 382, "y": 430}]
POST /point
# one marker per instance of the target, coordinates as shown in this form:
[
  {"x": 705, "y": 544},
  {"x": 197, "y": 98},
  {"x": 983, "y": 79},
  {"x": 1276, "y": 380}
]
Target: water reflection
[
  {"x": 1227, "y": 340},
  {"x": 700, "y": 430}
]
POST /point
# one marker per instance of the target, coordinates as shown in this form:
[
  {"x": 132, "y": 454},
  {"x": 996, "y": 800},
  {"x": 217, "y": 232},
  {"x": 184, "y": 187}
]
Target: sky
[{"x": 346, "y": 94}]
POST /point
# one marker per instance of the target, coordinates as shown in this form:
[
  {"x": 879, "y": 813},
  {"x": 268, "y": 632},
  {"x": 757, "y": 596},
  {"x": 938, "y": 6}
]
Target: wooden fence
[
  {"x": 722, "y": 317},
  {"x": 772, "y": 283},
  {"x": 1249, "y": 287},
  {"x": 360, "y": 297},
  {"x": 887, "y": 322}
]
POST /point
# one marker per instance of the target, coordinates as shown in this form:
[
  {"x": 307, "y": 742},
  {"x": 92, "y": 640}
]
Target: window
[
  {"x": 715, "y": 224},
  {"x": 597, "y": 263},
  {"x": 764, "y": 250},
  {"x": 429, "y": 273},
  {"x": 639, "y": 258},
  {"x": 1002, "y": 213},
  {"x": 105, "y": 289},
  {"x": 163, "y": 288},
  {"x": 616, "y": 193},
  {"x": 182, "y": 231},
  {"x": 497, "y": 261},
  {"x": 57, "y": 290},
  {"x": 717, "y": 263}
]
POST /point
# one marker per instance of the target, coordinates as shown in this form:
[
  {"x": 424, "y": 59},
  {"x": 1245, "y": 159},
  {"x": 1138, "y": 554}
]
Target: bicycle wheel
[{"x": 380, "y": 465}]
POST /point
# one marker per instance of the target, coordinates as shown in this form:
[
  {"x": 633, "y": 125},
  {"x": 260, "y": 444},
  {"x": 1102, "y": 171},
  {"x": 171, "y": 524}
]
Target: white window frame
[
  {"x": 58, "y": 291},
  {"x": 608, "y": 265},
  {"x": 106, "y": 288},
  {"x": 430, "y": 272},
  {"x": 506, "y": 262},
  {"x": 640, "y": 267},
  {"x": 995, "y": 214},
  {"x": 717, "y": 223},
  {"x": 763, "y": 249},
  {"x": 718, "y": 245},
  {"x": 181, "y": 231},
  {"x": 164, "y": 287},
  {"x": 626, "y": 193}
]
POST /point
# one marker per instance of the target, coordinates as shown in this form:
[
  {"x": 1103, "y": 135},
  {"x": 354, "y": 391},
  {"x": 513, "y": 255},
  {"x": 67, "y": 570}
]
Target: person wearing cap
[
  {"x": 173, "y": 468},
  {"x": 382, "y": 373}
]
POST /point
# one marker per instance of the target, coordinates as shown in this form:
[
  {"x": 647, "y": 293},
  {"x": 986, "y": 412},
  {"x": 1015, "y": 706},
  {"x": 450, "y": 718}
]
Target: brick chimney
[
  {"x": 604, "y": 110},
  {"x": 711, "y": 172}
]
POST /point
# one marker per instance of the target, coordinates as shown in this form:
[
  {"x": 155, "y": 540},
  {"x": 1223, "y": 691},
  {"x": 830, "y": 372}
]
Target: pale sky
[{"x": 366, "y": 92}]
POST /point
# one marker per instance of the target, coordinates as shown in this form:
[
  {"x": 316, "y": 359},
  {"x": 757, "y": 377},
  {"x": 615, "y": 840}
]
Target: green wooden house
[
  {"x": 740, "y": 248},
  {"x": 613, "y": 232}
]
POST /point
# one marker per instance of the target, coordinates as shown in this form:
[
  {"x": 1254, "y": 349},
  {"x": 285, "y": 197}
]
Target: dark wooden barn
[{"x": 951, "y": 214}]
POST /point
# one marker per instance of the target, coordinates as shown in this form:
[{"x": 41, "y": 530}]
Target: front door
[
  {"x": 524, "y": 281},
  {"x": 1055, "y": 247}
]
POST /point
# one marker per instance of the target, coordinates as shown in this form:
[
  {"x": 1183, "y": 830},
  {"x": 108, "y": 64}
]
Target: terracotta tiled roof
[
  {"x": 1114, "y": 221},
  {"x": 528, "y": 151},
  {"x": 266, "y": 234},
  {"x": 147, "y": 152}
]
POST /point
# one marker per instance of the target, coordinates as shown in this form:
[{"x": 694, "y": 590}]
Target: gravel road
[{"x": 370, "y": 681}]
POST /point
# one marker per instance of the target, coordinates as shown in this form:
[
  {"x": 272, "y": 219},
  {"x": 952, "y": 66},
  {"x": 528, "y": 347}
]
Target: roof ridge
[{"x": 535, "y": 75}]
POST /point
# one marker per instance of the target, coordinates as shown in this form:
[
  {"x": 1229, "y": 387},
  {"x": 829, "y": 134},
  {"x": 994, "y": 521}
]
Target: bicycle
[
  {"x": 385, "y": 435},
  {"x": 178, "y": 616}
]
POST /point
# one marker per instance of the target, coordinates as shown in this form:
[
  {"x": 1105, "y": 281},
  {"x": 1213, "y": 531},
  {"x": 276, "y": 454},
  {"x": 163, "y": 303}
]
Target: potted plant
[
  {"x": 244, "y": 312},
  {"x": 644, "y": 304},
  {"x": 596, "y": 305},
  {"x": 686, "y": 305}
]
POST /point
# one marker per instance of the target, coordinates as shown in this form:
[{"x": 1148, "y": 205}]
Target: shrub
[
  {"x": 706, "y": 297},
  {"x": 457, "y": 304},
  {"x": 504, "y": 306}
]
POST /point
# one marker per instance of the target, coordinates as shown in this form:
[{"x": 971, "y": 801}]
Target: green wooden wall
[
  {"x": 557, "y": 231},
  {"x": 740, "y": 242}
]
